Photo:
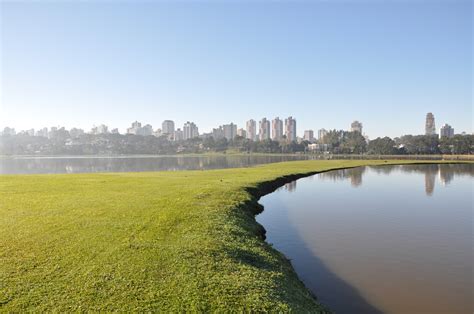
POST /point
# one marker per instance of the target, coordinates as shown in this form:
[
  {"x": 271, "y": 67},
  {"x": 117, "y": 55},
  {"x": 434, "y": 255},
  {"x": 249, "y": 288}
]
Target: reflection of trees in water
[
  {"x": 134, "y": 163},
  {"x": 354, "y": 174},
  {"x": 290, "y": 187}
]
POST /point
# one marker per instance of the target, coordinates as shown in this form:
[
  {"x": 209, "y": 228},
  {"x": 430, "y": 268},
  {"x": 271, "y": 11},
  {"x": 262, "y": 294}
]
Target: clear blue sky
[{"x": 326, "y": 63}]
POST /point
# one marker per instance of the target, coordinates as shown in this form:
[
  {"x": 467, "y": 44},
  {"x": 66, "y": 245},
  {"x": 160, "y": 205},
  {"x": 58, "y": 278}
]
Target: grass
[{"x": 167, "y": 241}]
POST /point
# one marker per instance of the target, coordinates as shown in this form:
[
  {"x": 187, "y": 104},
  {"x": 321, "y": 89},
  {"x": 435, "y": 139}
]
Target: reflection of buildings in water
[
  {"x": 356, "y": 176},
  {"x": 290, "y": 187},
  {"x": 446, "y": 174},
  {"x": 430, "y": 177}
]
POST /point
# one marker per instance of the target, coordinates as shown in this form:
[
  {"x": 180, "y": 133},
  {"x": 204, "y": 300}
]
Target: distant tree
[
  {"x": 353, "y": 143},
  {"x": 420, "y": 144},
  {"x": 382, "y": 146},
  {"x": 463, "y": 144}
]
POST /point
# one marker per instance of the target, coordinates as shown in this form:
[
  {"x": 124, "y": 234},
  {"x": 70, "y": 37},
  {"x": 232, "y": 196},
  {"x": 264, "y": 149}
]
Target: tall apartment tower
[
  {"x": 167, "y": 127},
  {"x": 290, "y": 129},
  {"x": 430, "y": 128},
  {"x": 321, "y": 134},
  {"x": 230, "y": 131},
  {"x": 277, "y": 129},
  {"x": 356, "y": 126},
  {"x": 264, "y": 129},
  {"x": 446, "y": 131},
  {"x": 252, "y": 130},
  {"x": 309, "y": 136},
  {"x": 190, "y": 130}
]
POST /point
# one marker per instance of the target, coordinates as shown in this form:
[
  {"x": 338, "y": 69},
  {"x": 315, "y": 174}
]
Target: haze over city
[{"x": 387, "y": 64}]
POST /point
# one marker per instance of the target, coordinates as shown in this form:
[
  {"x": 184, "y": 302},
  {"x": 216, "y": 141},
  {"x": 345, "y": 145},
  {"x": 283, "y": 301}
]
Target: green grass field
[{"x": 167, "y": 241}]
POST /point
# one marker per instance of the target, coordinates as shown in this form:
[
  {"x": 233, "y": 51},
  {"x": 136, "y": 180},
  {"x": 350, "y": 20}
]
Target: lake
[
  {"x": 392, "y": 239},
  {"x": 84, "y": 164}
]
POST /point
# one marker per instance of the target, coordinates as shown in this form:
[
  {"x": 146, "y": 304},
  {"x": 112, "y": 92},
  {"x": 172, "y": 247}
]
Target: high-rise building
[
  {"x": 430, "y": 128},
  {"x": 446, "y": 131},
  {"x": 321, "y": 134},
  {"x": 242, "y": 133},
  {"x": 135, "y": 128},
  {"x": 147, "y": 130},
  {"x": 290, "y": 129},
  {"x": 252, "y": 130},
  {"x": 75, "y": 133},
  {"x": 167, "y": 127},
  {"x": 190, "y": 130},
  {"x": 8, "y": 131},
  {"x": 356, "y": 126},
  {"x": 264, "y": 129},
  {"x": 277, "y": 129},
  {"x": 178, "y": 135},
  {"x": 218, "y": 133},
  {"x": 99, "y": 129},
  {"x": 138, "y": 129},
  {"x": 230, "y": 131},
  {"x": 42, "y": 132},
  {"x": 309, "y": 136}
]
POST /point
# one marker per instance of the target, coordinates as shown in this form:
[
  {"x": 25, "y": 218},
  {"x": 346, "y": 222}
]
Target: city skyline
[
  {"x": 273, "y": 129},
  {"x": 227, "y": 62}
]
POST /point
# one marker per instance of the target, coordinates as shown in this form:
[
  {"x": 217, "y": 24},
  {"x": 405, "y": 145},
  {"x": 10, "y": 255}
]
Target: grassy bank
[{"x": 169, "y": 241}]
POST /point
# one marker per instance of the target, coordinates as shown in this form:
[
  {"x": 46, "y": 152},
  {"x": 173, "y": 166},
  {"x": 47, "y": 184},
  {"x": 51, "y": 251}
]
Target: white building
[
  {"x": 290, "y": 129},
  {"x": 178, "y": 135},
  {"x": 167, "y": 127},
  {"x": 190, "y": 130},
  {"x": 309, "y": 136},
  {"x": 446, "y": 131},
  {"x": 218, "y": 133},
  {"x": 75, "y": 133},
  {"x": 230, "y": 131},
  {"x": 42, "y": 132},
  {"x": 264, "y": 129},
  {"x": 242, "y": 133},
  {"x": 147, "y": 130},
  {"x": 277, "y": 129},
  {"x": 321, "y": 134},
  {"x": 251, "y": 130},
  {"x": 96, "y": 130},
  {"x": 135, "y": 128}
]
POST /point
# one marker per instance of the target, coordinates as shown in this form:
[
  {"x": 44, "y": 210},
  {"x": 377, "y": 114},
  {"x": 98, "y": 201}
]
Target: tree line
[{"x": 335, "y": 142}]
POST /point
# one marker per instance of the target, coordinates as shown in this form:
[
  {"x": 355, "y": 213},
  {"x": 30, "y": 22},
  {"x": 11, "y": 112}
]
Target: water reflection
[
  {"x": 354, "y": 174},
  {"x": 290, "y": 187},
  {"x": 444, "y": 172},
  {"x": 31, "y": 165},
  {"x": 400, "y": 242}
]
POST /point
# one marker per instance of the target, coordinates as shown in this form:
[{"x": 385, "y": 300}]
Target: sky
[{"x": 385, "y": 63}]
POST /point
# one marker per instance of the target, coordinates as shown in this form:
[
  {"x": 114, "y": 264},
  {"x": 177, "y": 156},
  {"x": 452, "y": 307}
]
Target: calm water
[
  {"x": 30, "y": 165},
  {"x": 396, "y": 239}
]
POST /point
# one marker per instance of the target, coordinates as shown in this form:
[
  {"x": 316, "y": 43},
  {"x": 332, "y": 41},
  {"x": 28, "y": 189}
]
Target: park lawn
[{"x": 149, "y": 241}]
